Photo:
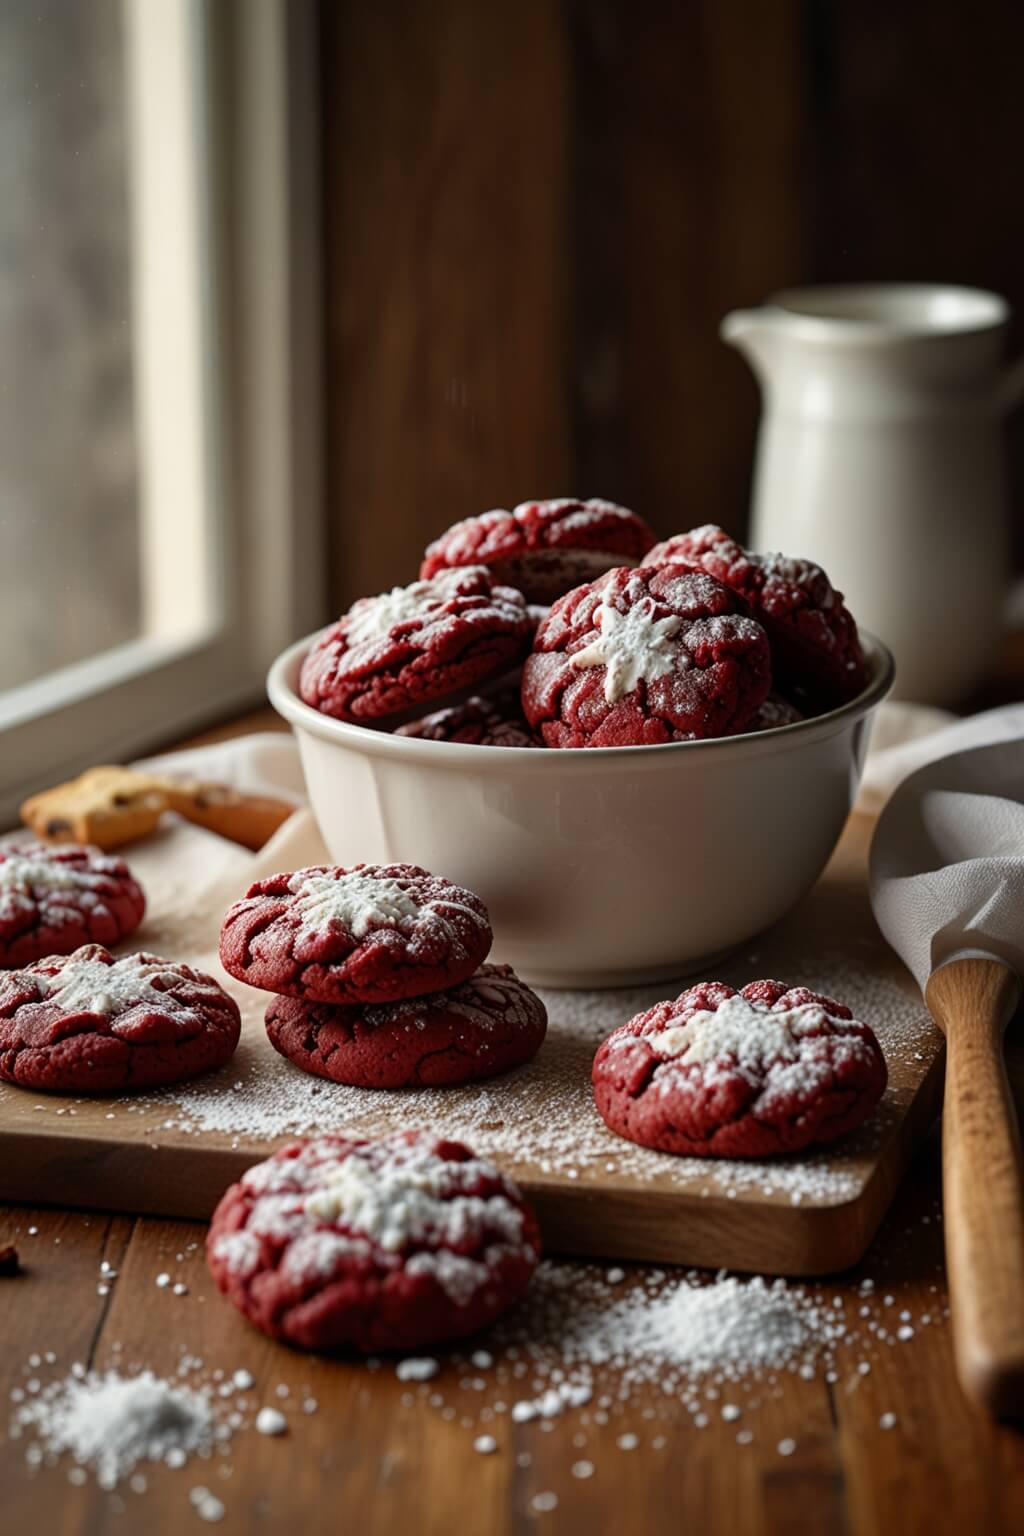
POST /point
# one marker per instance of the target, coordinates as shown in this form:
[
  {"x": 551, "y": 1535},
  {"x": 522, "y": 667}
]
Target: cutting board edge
[{"x": 665, "y": 1225}]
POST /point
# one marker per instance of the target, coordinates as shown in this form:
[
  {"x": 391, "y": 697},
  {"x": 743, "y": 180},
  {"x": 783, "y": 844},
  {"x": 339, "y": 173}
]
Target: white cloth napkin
[
  {"x": 947, "y": 858},
  {"x": 906, "y": 736}
]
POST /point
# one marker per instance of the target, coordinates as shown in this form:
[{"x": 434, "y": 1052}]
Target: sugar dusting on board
[{"x": 542, "y": 1116}]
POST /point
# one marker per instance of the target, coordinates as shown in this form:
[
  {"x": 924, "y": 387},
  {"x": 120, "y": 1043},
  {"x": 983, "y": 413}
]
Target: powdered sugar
[
  {"x": 587, "y": 514},
  {"x": 362, "y": 902},
  {"x": 61, "y": 886},
  {"x": 113, "y": 1422},
  {"x": 91, "y": 986},
  {"x": 751, "y": 1034},
  {"x": 542, "y": 1118},
  {"x": 391, "y": 1203},
  {"x": 422, "y": 611},
  {"x": 459, "y": 1277},
  {"x": 27, "y": 874},
  {"x": 405, "y": 1193},
  {"x": 358, "y": 901},
  {"x": 373, "y": 619},
  {"x": 633, "y": 645}
]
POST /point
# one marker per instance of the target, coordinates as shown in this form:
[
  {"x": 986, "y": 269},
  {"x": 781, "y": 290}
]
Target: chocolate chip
[{"x": 9, "y": 1260}]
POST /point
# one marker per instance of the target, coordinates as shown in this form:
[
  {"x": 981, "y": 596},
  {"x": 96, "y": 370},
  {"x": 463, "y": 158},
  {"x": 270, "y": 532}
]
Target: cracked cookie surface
[
  {"x": 374, "y": 933},
  {"x": 543, "y": 547},
  {"x": 55, "y": 899},
  {"x": 720, "y": 1073},
  {"x": 484, "y": 1026},
  {"x": 373, "y": 1245},
  {"x": 90, "y": 1023},
  {"x": 408, "y": 647},
  {"x": 816, "y": 650},
  {"x": 496, "y": 720},
  {"x": 642, "y": 657}
]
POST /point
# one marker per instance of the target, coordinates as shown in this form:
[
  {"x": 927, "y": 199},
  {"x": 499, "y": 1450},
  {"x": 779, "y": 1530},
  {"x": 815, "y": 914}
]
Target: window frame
[{"x": 255, "y": 136}]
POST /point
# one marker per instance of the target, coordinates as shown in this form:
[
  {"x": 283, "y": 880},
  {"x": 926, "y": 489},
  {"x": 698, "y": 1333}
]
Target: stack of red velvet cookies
[
  {"x": 379, "y": 978},
  {"x": 701, "y": 639}
]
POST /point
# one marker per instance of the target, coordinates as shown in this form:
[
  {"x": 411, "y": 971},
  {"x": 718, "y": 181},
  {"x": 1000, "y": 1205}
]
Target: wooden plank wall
[{"x": 537, "y": 211}]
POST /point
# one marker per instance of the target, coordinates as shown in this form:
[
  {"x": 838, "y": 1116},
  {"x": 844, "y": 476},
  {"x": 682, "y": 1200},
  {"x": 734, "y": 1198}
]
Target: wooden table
[{"x": 376, "y": 1457}]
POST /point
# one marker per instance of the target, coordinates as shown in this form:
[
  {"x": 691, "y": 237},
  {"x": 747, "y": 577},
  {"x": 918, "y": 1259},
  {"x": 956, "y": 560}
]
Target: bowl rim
[{"x": 282, "y": 680}]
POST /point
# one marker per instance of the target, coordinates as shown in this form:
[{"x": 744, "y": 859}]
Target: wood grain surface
[
  {"x": 385, "y": 1460},
  {"x": 537, "y": 214},
  {"x": 618, "y": 1203},
  {"x": 973, "y": 1000},
  {"x": 382, "y": 1459},
  {"x": 445, "y": 156}
]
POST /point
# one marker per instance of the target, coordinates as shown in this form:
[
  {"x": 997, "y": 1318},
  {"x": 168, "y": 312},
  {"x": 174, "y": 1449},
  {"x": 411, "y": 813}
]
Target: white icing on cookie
[
  {"x": 362, "y": 902},
  {"x": 28, "y": 877},
  {"x": 359, "y": 902},
  {"x": 375, "y": 618},
  {"x": 749, "y": 1036},
  {"x": 409, "y": 1195},
  {"x": 633, "y": 646},
  {"x": 90, "y": 986},
  {"x": 459, "y": 1277}
]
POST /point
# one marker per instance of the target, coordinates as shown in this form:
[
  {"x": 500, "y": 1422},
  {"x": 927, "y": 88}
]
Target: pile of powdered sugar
[
  {"x": 111, "y": 1422},
  {"x": 117, "y": 1424},
  {"x": 543, "y": 1116},
  {"x": 604, "y": 1346},
  {"x": 729, "y": 1328}
]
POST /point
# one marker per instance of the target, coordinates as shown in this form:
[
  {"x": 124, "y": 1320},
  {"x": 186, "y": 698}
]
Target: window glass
[{"x": 69, "y": 518}]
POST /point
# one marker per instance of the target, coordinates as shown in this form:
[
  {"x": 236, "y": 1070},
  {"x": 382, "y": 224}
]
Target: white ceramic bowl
[{"x": 603, "y": 866}]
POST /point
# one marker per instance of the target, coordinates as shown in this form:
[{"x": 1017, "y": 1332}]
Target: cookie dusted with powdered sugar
[
  {"x": 87, "y": 1023},
  {"x": 816, "y": 651},
  {"x": 493, "y": 721},
  {"x": 372, "y": 1245},
  {"x": 544, "y": 547},
  {"x": 719, "y": 1073},
  {"x": 484, "y": 1026},
  {"x": 53, "y": 900},
  {"x": 371, "y": 934},
  {"x": 774, "y": 713},
  {"x": 645, "y": 656},
  {"x": 416, "y": 644}
]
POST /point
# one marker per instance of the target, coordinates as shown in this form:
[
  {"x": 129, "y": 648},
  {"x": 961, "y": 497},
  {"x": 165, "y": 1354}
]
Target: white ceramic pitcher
[{"x": 881, "y": 456}]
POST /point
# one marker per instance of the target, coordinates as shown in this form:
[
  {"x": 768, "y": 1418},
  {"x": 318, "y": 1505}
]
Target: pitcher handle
[{"x": 1010, "y": 388}]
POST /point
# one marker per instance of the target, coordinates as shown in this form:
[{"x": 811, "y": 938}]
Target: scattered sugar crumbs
[
  {"x": 260, "y": 1096},
  {"x": 621, "y": 1363},
  {"x": 622, "y": 1357}
]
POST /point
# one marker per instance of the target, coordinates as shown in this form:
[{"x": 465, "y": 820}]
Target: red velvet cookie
[
  {"x": 719, "y": 1073},
  {"x": 52, "y": 900},
  {"x": 496, "y": 720},
  {"x": 484, "y": 1026},
  {"x": 87, "y": 1023},
  {"x": 816, "y": 650},
  {"x": 371, "y": 934},
  {"x": 415, "y": 644},
  {"x": 775, "y": 711},
  {"x": 544, "y": 547},
  {"x": 372, "y": 1245},
  {"x": 645, "y": 656}
]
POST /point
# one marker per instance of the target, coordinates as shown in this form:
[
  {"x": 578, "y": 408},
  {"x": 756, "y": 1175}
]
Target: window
[{"x": 159, "y": 359}]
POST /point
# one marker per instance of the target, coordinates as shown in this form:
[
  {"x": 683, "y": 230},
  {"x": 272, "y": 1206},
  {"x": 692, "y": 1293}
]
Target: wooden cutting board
[{"x": 595, "y": 1194}]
